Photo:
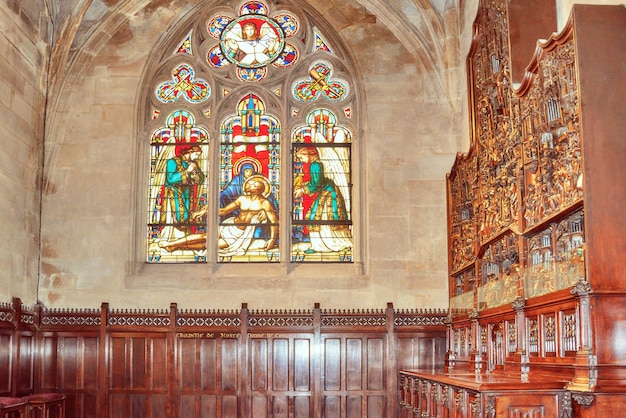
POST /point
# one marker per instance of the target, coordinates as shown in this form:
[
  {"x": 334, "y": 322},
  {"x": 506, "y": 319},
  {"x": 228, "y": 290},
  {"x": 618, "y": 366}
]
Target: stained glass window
[
  {"x": 249, "y": 193},
  {"x": 183, "y": 84},
  {"x": 321, "y": 224},
  {"x": 256, "y": 79},
  {"x": 178, "y": 191},
  {"x": 253, "y": 40}
]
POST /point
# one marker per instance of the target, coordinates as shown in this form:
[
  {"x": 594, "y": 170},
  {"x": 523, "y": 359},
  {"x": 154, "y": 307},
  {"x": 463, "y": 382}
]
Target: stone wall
[
  {"x": 23, "y": 64},
  {"x": 409, "y": 139},
  {"x": 411, "y": 62}
]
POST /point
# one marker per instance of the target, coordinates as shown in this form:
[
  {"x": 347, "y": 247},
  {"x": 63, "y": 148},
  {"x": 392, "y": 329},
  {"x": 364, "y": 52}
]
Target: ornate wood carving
[
  {"x": 529, "y": 204},
  {"x": 583, "y": 399},
  {"x": 490, "y": 407},
  {"x": 475, "y": 407},
  {"x": 566, "y": 406},
  {"x": 570, "y": 340},
  {"x": 550, "y": 132},
  {"x": 523, "y": 172}
]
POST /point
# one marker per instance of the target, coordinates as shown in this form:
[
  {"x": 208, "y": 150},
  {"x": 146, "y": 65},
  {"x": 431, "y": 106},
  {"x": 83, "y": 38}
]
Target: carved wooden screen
[{"x": 515, "y": 219}]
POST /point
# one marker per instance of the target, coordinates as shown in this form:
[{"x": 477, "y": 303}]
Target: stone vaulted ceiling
[{"x": 427, "y": 29}]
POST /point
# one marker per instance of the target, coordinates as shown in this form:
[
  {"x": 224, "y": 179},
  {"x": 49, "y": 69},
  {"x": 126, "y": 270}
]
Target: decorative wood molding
[
  {"x": 583, "y": 399},
  {"x": 582, "y": 288},
  {"x": 519, "y": 303}
]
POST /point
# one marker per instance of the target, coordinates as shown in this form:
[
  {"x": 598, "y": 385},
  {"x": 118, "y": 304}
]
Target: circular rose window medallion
[{"x": 252, "y": 41}]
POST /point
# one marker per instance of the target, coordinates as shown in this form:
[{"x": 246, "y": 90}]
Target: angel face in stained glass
[{"x": 252, "y": 42}]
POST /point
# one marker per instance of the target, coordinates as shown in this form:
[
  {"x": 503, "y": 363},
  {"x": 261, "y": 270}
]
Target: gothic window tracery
[{"x": 259, "y": 79}]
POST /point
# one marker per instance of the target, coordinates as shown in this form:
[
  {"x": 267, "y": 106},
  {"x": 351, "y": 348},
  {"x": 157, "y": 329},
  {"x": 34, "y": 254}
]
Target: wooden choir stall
[{"x": 536, "y": 221}]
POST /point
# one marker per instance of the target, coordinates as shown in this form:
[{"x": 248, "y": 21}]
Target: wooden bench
[
  {"x": 13, "y": 407},
  {"x": 45, "y": 405}
]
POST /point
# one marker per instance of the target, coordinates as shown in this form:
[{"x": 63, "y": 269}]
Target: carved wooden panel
[
  {"x": 69, "y": 362},
  {"x": 556, "y": 256},
  {"x": 532, "y": 331},
  {"x": 497, "y": 341},
  {"x": 462, "y": 187},
  {"x": 467, "y": 395},
  {"x": 549, "y": 334},
  {"x": 354, "y": 375},
  {"x": 531, "y": 405},
  {"x": 496, "y": 139},
  {"x": 541, "y": 211},
  {"x": 281, "y": 375},
  {"x": 6, "y": 356},
  {"x": 463, "y": 284},
  {"x": 570, "y": 340},
  {"x": 511, "y": 337},
  {"x": 523, "y": 172},
  {"x": 137, "y": 375},
  {"x": 551, "y": 135},
  {"x": 499, "y": 267}
]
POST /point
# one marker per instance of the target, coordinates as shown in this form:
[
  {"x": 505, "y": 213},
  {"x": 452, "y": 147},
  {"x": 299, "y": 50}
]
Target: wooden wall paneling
[
  {"x": 345, "y": 344},
  {"x": 390, "y": 365},
  {"x": 49, "y": 358},
  {"x": 416, "y": 340},
  {"x": 179, "y": 364},
  {"x": 103, "y": 374},
  {"x": 316, "y": 362},
  {"x": 68, "y": 363},
  {"x": 420, "y": 350},
  {"x": 6, "y": 360},
  {"x": 26, "y": 348},
  {"x": 172, "y": 399},
  {"x": 331, "y": 380},
  {"x": 68, "y": 358},
  {"x": 377, "y": 380},
  {"x": 354, "y": 380},
  {"x": 231, "y": 379},
  {"x": 25, "y": 363},
  {"x": 7, "y": 348},
  {"x": 209, "y": 363},
  {"x": 208, "y": 376},
  {"x": 196, "y": 370},
  {"x": 138, "y": 368},
  {"x": 243, "y": 401},
  {"x": 282, "y": 362}
]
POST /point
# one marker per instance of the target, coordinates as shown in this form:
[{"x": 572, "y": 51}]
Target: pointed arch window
[{"x": 275, "y": 96}]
